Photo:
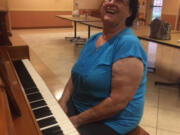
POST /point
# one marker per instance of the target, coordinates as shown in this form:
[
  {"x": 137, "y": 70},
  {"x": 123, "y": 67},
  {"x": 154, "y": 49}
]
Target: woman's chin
[
  {"x": 108, "y": 21},
  {"x": 108, "y": 17}
]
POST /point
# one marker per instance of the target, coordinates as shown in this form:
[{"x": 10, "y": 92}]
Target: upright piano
[
  {"x": 27, "y": 107},
  {"x": 4, "y": 37}
]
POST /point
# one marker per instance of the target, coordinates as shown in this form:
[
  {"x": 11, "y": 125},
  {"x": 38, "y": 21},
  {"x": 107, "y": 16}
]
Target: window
[{"x": 157, "y": 7}]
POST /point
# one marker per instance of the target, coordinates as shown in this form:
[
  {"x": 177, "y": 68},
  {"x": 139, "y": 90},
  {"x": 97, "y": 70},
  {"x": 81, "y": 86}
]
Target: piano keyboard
[{"x": 50, "y": 117}]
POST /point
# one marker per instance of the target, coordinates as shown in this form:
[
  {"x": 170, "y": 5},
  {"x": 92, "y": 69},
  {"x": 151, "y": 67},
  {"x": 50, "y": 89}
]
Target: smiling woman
[{"x": 105, "y": 92}]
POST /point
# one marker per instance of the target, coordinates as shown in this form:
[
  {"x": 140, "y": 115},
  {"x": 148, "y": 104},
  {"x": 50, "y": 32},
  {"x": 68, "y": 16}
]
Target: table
[
  {"x": 138, "y": 31},
  {"x": 143, "y": 33},
  {"x": 79, "y": 19},
  {"x": 173, "y": 42}
]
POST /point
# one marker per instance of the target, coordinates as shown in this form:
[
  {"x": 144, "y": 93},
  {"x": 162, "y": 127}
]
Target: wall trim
[
  {"x": 45, "y": 10},
  {"x": 169, "y": 18},
  {"x": 38, "y": 19},
  {"x": 44, "y": 27}
]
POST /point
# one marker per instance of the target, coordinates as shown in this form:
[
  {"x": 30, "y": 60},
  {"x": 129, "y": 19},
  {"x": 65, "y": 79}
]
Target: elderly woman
[{"x": 105, "y": 93}]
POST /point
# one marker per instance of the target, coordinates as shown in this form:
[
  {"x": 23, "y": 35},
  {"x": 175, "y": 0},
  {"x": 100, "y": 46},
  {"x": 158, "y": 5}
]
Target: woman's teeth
[{"x": 110, "y": 10}]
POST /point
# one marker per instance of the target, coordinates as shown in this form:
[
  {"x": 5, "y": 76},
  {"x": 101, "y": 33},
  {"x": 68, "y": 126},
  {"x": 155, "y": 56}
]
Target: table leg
[
  {"x": 74, "y": 38},
  {"x": 75, "y": 29},
  {"x": 89, "y": 31}
]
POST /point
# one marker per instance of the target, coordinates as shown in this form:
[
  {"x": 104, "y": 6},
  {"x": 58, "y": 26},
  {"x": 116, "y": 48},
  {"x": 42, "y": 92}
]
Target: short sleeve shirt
[{"x": 91, "y": 77}]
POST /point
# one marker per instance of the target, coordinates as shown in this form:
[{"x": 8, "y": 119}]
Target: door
[{"x": 153, "y": 10}]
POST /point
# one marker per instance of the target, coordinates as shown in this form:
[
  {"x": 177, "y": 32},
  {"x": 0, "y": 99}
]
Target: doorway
[
  {"x": 156, "y": 9},
  {"x": 153, "y": 10}
]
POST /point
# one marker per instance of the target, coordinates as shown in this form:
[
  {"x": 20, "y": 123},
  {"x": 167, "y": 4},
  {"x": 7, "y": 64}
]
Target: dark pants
[{"x": 96, "y": 128}]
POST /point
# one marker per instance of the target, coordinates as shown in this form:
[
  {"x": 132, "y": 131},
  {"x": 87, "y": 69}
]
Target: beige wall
[
  {"x": 40, "y": 5},
  {"x": 89, "y": 4},
  {"x": 39, "y": 13},
  {"x": 170, "y": 12},
  {"x": 3, "y": 5},
  {"x": 170, "y": 7},
  {"x": 142, "y": 8}
]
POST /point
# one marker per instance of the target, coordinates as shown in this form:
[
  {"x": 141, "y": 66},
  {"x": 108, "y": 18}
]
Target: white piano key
[
  {"x": 61, "y": 118},
  {"x": 48, "y": 126},
  {"x": 39, "y": 107}
]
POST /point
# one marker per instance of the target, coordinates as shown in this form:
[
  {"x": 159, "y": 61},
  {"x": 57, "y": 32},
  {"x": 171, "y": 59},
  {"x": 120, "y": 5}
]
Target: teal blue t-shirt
[{"x": 91, "y": 77}]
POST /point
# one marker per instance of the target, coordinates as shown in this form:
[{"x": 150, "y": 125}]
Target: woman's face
[{"x": 115, "y": 11}]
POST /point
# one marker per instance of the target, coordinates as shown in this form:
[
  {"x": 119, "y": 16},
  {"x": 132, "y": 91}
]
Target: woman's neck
[{"x": 109, "y": 31}]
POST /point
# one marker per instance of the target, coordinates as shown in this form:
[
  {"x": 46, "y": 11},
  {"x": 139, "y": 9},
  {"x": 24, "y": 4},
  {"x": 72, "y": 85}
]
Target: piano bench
[{"x": 138, "y": 131}]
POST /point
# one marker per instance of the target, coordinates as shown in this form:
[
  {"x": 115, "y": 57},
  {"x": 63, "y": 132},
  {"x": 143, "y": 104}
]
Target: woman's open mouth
[{"x": 111, "y": 10}]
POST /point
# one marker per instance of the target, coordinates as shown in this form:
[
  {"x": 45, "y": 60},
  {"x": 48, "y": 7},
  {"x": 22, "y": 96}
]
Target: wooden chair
[{"x": 138, "y": 131}]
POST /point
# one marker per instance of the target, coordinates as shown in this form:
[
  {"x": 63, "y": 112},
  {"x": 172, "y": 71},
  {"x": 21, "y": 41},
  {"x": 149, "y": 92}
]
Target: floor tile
[
  {"x": 169, "y": 120},
  {"x": 149, "y": 116},
  {"x": 166, "y": 132},
  {"x": 170, "y": 99},
  {"x": 151, "y": 99},
  {"x": 150, "y": 130}
]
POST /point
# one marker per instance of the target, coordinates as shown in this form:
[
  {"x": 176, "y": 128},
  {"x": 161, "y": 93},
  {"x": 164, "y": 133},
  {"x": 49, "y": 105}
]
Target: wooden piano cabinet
[
  {"x": 26, "y": 123},
  {"x": 17, "y": 52},
  {"x": 4, "y": 40},
  {"x": 6, "y": 122}
]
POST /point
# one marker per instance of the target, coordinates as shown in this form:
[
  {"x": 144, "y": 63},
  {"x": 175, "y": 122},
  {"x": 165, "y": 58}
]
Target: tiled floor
[{"x": 53, "y": 58}]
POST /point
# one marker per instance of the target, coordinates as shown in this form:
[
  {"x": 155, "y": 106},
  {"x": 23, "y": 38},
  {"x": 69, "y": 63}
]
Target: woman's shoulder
[
  {"x": 127, "y": 44},
  {"x": 127, "y": 35}
]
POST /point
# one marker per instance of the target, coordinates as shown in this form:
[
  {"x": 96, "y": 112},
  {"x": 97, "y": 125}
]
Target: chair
[{"x": 138, "y": 131}]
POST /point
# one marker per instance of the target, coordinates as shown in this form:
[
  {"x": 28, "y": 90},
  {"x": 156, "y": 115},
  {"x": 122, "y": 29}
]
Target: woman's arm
[
  {"x": 68, "y": 90},
  {"x": 126, "y": 77}
]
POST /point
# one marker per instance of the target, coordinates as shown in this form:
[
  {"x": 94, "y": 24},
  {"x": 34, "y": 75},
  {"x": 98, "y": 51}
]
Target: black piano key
[
  {"x": 33, "y": 90},
  {"x": 38, "y": 104},
  {"x": 23, "y": 74},
  {"x": 34, "y": 97},
  {"x": 42, "y": 112},
  {"x": 53, "y": 131},
  {"x": 47, "y": 122}
]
